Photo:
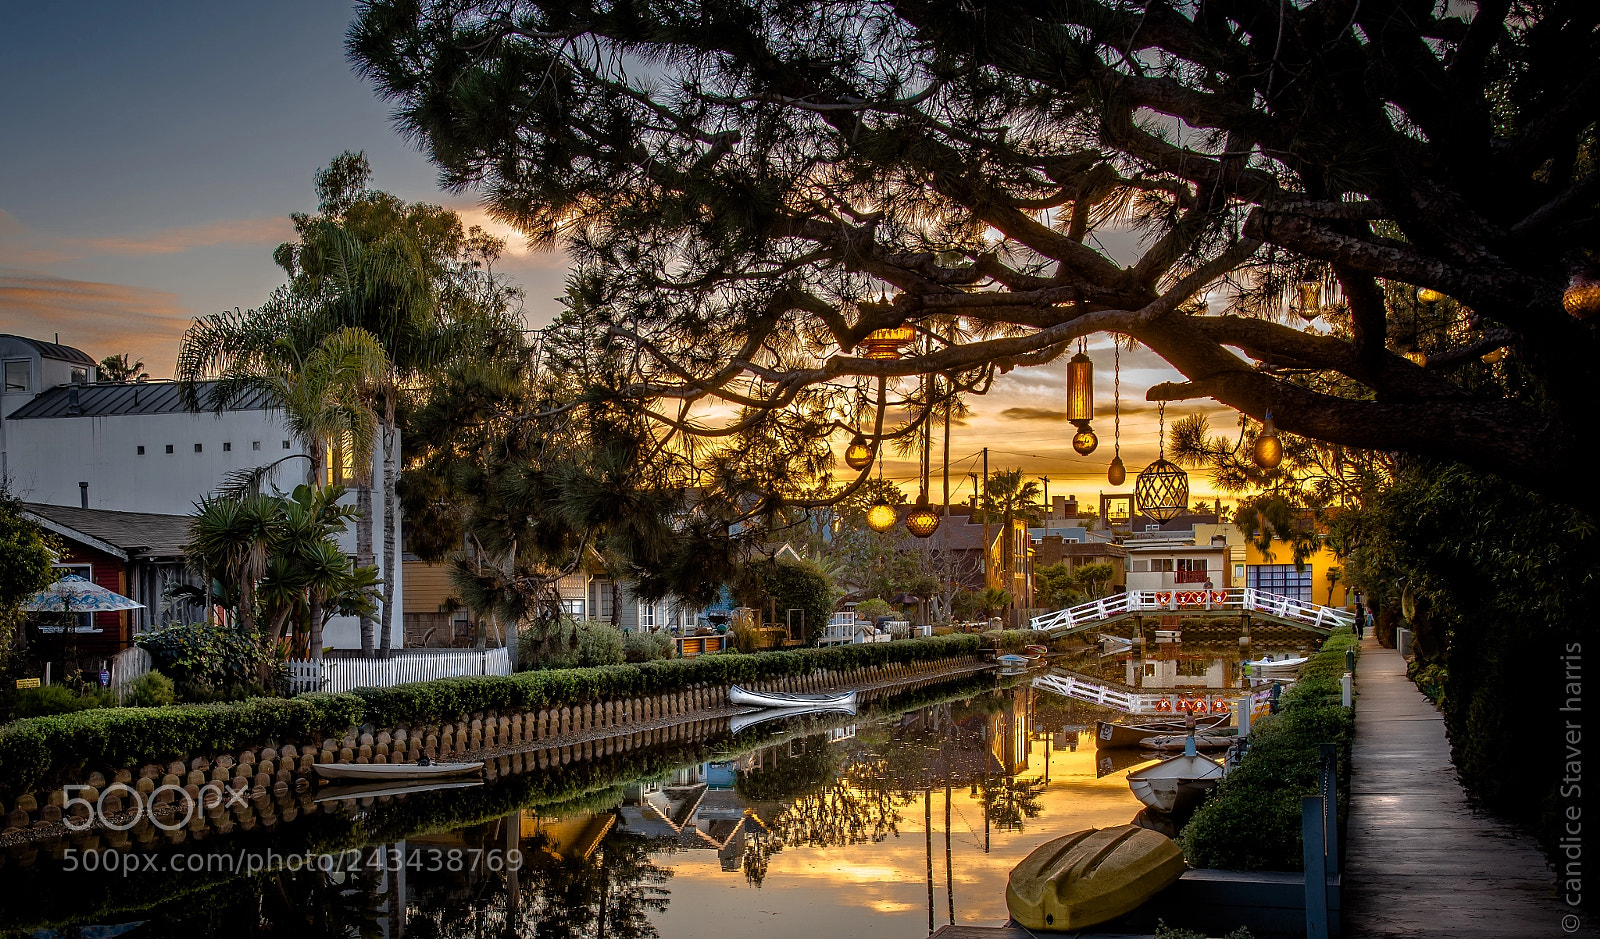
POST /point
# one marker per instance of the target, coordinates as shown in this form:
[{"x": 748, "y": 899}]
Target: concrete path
[{"x": 1419, "y": 861}]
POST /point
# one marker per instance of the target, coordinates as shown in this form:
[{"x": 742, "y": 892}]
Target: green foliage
[
  {"x": 790, "y": 585},
  {"x": 1055, "y": 586},
  {"x": 1431, "y": 678},
  {"x": 571, "y": 644},
  {"x": 51, "y": 699},
  {"x": 151, "y": 690},
  {"x": 871, "y": 609},
  {"x": 1163, "y": 931},
  {"x": 26, "y": 555},
  {"x": 206, "y": 660},
  {"x": 1009, "y": 640},
  {"x": 639, "y": 646},
  {"x": 1251, "y": 820}
]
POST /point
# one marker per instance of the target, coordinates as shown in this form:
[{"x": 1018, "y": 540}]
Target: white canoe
[
  {"x": 394, "y": 771},
  {"x": 749, "y": 719},
  {"x": 776, "y": 699},
  {"x": 1175, "y": 784},
  {"x": 1281, "y": 665},
  {"x": 373, "y": 790}
]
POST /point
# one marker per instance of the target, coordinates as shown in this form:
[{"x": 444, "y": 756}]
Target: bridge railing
[
  {"x": 1242, "y": 599},
  {"x": 1165, "y": 702}
]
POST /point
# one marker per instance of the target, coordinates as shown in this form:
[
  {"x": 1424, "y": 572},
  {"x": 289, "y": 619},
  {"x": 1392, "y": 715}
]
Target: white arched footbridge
[{"x": 1231, "y": 603}]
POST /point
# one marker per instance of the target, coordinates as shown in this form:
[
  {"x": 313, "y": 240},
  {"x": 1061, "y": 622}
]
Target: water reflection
[{"x": 900, "y": 821}]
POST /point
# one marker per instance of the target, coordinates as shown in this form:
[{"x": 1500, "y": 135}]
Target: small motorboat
[
  {"x": 1109, "y": 736},
  {"x": 1175, "y": 785},
  {"x": 1090, "y": 877},
  {"x": 750, "y": 719},
  {"x": 776, "y": 699},
  {"x": 395, "y": 771},
  {"x": 374, "y": 790}
]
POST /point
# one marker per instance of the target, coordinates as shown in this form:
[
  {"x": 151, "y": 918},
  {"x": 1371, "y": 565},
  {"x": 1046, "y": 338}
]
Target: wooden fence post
[
  {"x": 1314, "y": 854},
  {"x": 1330, "y": 802}
]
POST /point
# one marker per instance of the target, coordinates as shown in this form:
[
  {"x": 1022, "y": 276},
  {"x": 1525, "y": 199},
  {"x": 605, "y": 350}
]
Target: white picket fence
[
  {"x": 342, "y": 674},
  {"x": 126, "y": 666}
]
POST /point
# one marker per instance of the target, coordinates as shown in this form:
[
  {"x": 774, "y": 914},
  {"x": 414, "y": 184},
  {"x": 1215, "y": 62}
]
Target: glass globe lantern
[
  {"x": 884, "y": 344},
  {"x": 1267, "y": 452},
  {"x": 1582, "y": 297},
  {"x": 881, "y": 517},
  {"x": 1085, "y": 441},
  {"x": 1116, "y": 474},
  {"x": 858, "y": 456},
  {"x": 1310, "y": 305},
  {"x": 922, "y": 520}
]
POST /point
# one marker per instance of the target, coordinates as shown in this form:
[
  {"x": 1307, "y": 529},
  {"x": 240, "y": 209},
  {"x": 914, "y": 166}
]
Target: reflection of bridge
[
  {"x": 1233, "y": 603},
  {"x": 1080, "y": 688}
]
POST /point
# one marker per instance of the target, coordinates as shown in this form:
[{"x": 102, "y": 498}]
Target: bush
[
  {"x": 207, "y": 661},
  {"x": 150, "y": 690},
  {"x": 1251, "y": 820},
  {"x": 51, "y": 699},
  {"x": 647, "y": 647},
  {"x": 571, "y": 644},
  {"x": 1011, "y": 640},
  {"x": 872, "y": 609}
]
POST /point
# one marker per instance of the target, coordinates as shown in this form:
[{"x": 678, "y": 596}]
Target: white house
[{"x": 68, "y": 440}]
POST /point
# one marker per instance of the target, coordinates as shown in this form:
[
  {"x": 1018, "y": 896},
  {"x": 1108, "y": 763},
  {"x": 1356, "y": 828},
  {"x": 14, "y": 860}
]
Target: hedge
[
  {"x": 1251, "y": 820},
  {"x": 51, "y": 749}
]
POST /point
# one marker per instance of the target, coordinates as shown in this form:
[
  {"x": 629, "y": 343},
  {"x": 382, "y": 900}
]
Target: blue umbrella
[{"x": 73, "y": 594}]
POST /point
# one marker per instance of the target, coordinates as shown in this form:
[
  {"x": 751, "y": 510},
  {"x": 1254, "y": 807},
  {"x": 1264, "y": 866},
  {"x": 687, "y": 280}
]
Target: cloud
[
  {"x": 23, "y": 247},
  {"x": 99, "y": 318}
]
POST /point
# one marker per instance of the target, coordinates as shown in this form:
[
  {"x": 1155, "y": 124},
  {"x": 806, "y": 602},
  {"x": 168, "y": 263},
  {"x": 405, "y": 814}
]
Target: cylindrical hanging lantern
[
  {"x": 881, "y": 516},
  {"x": 1116, "y": 474},
  {"x": 922, "y": 520},
  {"x": 1310, "y": 300},
  {"x": 1582, "y": 298},
  {"x": 1080, "y": 389},
  {"x": 858, "y": 456},
  {"x": 1267, "y": 452},
  {"x": 882, "y": 344},
  {"x": 1162, "y": 490}
]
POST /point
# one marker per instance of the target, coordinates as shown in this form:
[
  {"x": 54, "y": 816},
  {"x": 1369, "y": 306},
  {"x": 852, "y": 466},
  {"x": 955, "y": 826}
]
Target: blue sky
[{"x": 150, "y": 156}]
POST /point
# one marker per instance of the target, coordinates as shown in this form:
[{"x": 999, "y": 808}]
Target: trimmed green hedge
[
  {"x": 1251, "y": 820},
  {"x": 46, "y": 750}
]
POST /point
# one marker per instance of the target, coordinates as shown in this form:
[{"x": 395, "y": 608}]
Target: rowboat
[
  {"x": 1177, "y": 784},
  {"x": 1216, "y": 740},
  {"x": 1109, "y": 736},
  {"x": 777, "y": 699},
  {"x": 1035, "y": 651},
  {"x": 1108, "y": 762},
  {"x": 1282, "y": 668},
  {"x": 373, "y": 790},
  {"x": 1090, "y": 877},
  {"x": 395, "y": 770},
  {"x": 749, "y": 719}
]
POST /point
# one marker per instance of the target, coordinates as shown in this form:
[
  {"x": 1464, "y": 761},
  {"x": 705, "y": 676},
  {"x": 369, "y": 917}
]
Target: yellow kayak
[{"x": 1091, "y": 876}]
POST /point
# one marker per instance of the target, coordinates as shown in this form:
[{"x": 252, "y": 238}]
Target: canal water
[{"x": 904, "y": 818}]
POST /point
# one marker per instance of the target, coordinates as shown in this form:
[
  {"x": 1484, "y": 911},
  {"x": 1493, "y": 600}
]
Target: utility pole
[{"x": 983, "y": 503}]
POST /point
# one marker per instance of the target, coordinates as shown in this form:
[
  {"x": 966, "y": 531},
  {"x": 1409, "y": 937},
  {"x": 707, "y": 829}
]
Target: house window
[
  {"x": 1281, "y": 579},
  {"x": 286, "y": 444},
  {"x": 1152, "y": 527},
  {"x": 647, "y": 615},
  {"x": 602, "y": 591},
  {"x": 80, "y": 375},
  {"x": 169, "y": 448},
  {"x": 1191, "y": 564},
  {"x": 19, "y": 375},
  {"x": 226, "y": 446},
  {"x": 572, "y": 606},
  {"x": 197, "y": 447},
  {"x": 255, "y": 445},
  {"x": 141, "y": 451}
]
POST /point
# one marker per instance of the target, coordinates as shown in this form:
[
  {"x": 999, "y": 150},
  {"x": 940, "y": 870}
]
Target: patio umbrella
[{"x": 72, "y": 594}]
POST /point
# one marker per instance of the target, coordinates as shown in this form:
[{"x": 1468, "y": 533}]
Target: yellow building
[{"x": 1274, "y": 571}]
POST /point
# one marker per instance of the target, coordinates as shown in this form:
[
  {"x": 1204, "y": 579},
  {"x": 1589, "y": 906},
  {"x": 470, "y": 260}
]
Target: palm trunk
[
  {"x": 390, "y": 562},
  {"x": 364, "y": 557},
  {"x": 316, "y": 626}
]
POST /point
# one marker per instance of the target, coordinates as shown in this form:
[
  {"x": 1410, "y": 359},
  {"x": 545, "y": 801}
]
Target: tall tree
[
  {"x": 122, "y": 368},
  {"x": 788, "y": 176}
]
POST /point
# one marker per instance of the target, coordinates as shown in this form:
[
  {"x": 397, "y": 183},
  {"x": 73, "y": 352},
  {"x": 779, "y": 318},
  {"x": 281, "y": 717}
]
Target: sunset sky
[{"x": 155, "y": 154}]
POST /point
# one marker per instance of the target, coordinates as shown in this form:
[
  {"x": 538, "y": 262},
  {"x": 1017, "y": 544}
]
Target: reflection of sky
[{"x": 881, "y": 889}]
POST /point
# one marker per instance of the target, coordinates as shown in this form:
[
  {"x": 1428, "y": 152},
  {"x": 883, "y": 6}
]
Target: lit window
[
  {"x": 339, "y": 469},
  {"x": 19, "y": 375}
]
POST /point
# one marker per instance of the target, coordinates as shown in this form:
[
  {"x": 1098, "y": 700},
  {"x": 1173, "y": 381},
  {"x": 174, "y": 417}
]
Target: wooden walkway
[{"x": 1419, "y": 861}]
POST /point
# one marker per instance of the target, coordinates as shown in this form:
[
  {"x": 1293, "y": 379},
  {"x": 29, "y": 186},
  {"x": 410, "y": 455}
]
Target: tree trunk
[
  {"x": 390, "y": 562},
  {"x": 364, "y": 556},
  {"x": 316, "y": 626}
]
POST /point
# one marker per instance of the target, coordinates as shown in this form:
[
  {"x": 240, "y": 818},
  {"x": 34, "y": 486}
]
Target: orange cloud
[
  {"x": 101, "y": 319},
  {"x": 22, "y": 246}
]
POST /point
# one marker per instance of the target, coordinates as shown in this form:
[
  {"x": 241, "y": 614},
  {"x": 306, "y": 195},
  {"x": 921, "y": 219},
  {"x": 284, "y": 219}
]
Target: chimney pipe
[{"x": 83, "y": 495}]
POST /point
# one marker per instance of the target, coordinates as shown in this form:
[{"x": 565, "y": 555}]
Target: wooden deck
[{"x": 1419, "y": 861}]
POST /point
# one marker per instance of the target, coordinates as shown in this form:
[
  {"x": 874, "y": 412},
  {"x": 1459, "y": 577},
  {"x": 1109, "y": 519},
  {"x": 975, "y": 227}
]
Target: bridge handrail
[{"x": 1174, "y": 600}]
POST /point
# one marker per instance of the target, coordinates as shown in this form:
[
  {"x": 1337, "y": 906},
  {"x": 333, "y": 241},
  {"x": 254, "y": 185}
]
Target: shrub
[
  {"x": 872, "y": 609},
  {"x": 1011, "y": 640},
  {"x": 571, "y": 644},
  {"x": 207, "y": 661},
  {"x": 150, "y": 690},
  {"x": 51, "y": 699},
  {"x": 647, "y": 646},
  {"x": 1251, "y": 820}
]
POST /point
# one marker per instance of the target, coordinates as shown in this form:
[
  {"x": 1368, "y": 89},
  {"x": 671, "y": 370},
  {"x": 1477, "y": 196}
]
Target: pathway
[{"x": 1420, "y": 862}]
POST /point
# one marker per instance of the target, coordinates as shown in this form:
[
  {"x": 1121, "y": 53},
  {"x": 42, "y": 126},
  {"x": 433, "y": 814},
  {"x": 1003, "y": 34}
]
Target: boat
[
  {"x": 750, "y": 719},
  {"x": 1090, "y": 877},
  {"x": 1175, "y": 785},
  {"x": 1220, "y": 738},
  {"x": 1109, "y": 736},
  {"x": 1109, "y": 762},
  {"x": 373, "y": 790},
  {"x": 1035, "y": 651},
  {"x": 1282, "y": 668},
  {"x": 394, "y": 771},
  {"x": 777, "y": 699}
]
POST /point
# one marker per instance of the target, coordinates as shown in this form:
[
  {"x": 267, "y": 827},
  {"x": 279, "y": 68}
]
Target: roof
[
  {"x": 135, "y": 397},
  {"x": 53, "y": 350},
  {"x": 124, "y": 534}
]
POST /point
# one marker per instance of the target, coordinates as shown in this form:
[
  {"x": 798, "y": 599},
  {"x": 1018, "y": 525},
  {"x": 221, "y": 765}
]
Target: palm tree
[
  {"x": 229, "y": 542},
  {"x": 1009, "y": 497}
]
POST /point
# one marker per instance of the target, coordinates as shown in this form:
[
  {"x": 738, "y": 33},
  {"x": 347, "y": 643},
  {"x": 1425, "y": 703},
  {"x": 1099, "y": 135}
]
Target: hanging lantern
[
  {"x": 1417, "y": 357},
  {"x": 922, "y": 521},
  {"x": 1162, "y": 489},
  {"x": 1582, "y": 298},
  {"x": 1116, "y": 474},
  {"x": 1080, "y": 402},
  {"x": 882, "y": 344},
  {"x": 858, "y": 456},
  {"x": 1428, "y": 295},
  {"x": 881, "y": 516},
  {"x": 1267, "y": 452},
  {"x": 1494, "y": 356},
  {"x": 1310, "y": 300}
]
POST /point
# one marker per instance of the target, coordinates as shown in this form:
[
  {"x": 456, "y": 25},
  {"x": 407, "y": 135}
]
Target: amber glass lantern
[
  {"x": 858, "y": 456},
  {"x": 1267, "y": 452},
  {"x": 1428, "y": 295},
  {"x": 883, "y": 344},
  {"x": 1084, "y": 441},
  {"x": 881, "y": 517},
  {"x": 1310, "y": 304},
  {"x": 922, "y": 520},
  {"x": 1116, "y": 473},
  {"x": 1080, "y": 402},
  {"x": 1582, "y": 298}
]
